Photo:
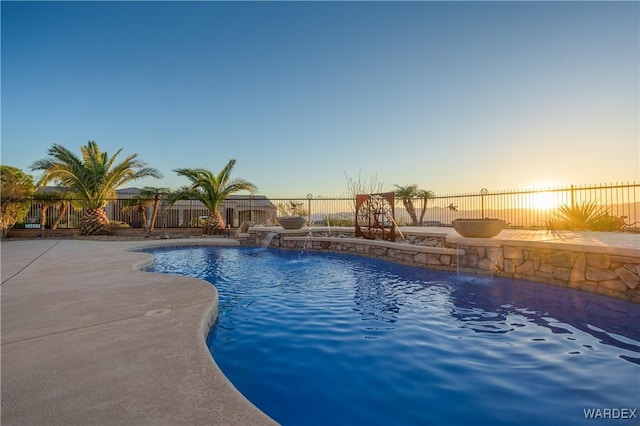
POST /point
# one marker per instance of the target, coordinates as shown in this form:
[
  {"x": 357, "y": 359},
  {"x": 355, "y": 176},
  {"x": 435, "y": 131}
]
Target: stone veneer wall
[{"x": 608, "y": 274}]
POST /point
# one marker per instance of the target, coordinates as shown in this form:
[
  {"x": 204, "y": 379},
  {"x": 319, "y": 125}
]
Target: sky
[{"x": 451, "y": 96}]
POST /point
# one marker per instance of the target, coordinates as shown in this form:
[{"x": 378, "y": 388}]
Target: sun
[{"x": 544, "y": 200}]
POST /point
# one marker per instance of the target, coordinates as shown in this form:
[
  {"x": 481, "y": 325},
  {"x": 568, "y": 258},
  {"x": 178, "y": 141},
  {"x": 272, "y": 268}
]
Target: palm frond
[
  {"x": 225, "y": 174},
  {"x": 211, "y": 190},
  {"x": 152, "y": 191},
  {"x": 406, "y": 192},
  {"x": 94, "y": 176}
]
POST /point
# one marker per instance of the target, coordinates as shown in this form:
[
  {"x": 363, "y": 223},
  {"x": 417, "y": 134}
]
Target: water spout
[
  {"x": 306, "y": 241},
  {"x": 267, "y": 240}
]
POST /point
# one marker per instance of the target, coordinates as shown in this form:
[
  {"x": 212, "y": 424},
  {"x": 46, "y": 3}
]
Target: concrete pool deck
[{"x": 89, "y": 339}]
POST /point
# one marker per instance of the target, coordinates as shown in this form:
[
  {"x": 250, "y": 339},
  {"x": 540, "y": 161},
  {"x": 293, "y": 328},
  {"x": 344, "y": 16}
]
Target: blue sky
[{"x": 451, "y": 96}]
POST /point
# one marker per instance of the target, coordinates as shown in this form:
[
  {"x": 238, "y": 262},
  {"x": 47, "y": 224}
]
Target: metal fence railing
[
  {"x": 525, "y": 208},
  {"x": 535, "y": 208}
]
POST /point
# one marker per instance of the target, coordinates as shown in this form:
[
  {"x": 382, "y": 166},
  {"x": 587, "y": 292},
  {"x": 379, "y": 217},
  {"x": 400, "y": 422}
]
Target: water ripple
[{"x": 328, "y": 339}]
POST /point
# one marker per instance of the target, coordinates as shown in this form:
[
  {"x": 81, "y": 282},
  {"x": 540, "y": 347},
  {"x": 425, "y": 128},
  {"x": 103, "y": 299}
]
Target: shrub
[
  {"x": 118, "y": 224},
  {"x": 196, "y": 222},
  {"x": 609, "y": 223},
  {"x": 585, "y": 216}
]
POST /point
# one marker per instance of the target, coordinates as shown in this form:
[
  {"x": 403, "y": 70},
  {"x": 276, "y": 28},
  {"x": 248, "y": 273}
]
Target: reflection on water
[
  {"x": 482, "y": 304},
  {"x": 375, "y": 300},
  {"x": 490, "y": 306},
  {"x": 332, "y": 339}
]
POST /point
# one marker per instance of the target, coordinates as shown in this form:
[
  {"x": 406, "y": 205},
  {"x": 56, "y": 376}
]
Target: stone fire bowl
[
  {"x": 292, "y": 222},
  {"x": 479, "y": 228}
]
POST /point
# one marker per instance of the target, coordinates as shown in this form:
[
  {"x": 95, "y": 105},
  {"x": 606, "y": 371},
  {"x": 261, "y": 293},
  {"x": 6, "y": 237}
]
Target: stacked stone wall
[
  {"x": 406, "y": 254},
  {"x": 609, "y": 274}
]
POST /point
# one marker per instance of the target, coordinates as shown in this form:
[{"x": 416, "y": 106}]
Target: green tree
[
  {"x": 94, "y": 178},
  {"x": 15, "y": 189},
  {"x": 210, "y": 190}
]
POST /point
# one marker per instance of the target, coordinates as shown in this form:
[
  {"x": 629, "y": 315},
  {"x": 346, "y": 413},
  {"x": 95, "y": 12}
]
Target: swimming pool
[{"x": 316, "y": 338}]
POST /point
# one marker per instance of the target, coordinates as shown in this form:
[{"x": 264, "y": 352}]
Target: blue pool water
[{"x": 323, "y": 339}]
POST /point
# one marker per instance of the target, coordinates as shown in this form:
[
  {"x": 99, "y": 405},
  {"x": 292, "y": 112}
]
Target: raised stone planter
[{"x": 479, "y": 228}]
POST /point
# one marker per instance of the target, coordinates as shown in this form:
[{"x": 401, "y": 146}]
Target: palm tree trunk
[
  {"x": 62, "y": 210},
  {"x": 213, "y": 224},
  {"x": 424, "y": 210},
  {"x": 154, "y": 215},
  {"x": 408, "y": 204},
  {"x": 95, "y": 222},
  {"x": 43, "y": 217},
  {"x": 143, "y": 214}
]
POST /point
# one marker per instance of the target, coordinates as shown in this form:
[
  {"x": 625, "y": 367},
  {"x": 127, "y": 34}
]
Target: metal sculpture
[{"x": 375, "y": 217}]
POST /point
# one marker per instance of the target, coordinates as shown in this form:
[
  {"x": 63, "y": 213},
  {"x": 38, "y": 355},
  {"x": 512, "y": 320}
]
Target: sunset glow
[{"x": 545, "y": 200}]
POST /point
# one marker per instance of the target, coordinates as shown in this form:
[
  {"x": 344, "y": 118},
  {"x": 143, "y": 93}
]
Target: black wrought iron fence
[
  {"x": 525, "y": 208},
  {"x": 540, "y": 208}
]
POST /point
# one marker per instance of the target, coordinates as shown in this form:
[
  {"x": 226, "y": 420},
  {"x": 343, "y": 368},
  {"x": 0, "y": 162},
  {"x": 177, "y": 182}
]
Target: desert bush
[
  {"x": 585, "y": 216},
  {"x": 291, "y": 209}
]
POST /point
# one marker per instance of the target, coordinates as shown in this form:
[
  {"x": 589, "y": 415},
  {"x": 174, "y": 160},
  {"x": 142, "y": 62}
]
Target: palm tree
[
  {"x": 94, "y": 178},
  {"x": 68, "y": 199},
  {"x": 46, "y": 200},
  {"x": 407, "y": 194},
  {"x": 148, "y": 196},
  {"x": 156, "y": 194},
  {"x": 210, "y": 190},
  {"x": 425, "y": 195},
  {"x": 139, "y": 204},
  {"x": 410, "y": 192}
]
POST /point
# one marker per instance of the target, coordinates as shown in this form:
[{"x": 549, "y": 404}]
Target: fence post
[{"x": 309, "y": 197}]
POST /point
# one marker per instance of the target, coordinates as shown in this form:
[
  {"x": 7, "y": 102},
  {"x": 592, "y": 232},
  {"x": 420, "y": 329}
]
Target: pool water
[{"x": 327, "y": 339}]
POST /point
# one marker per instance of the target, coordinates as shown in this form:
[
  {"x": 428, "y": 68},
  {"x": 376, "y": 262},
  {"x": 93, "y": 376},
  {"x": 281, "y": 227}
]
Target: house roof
[
  {"x": 128, "y": 191},
  {"x": 241, "y": 202}
]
